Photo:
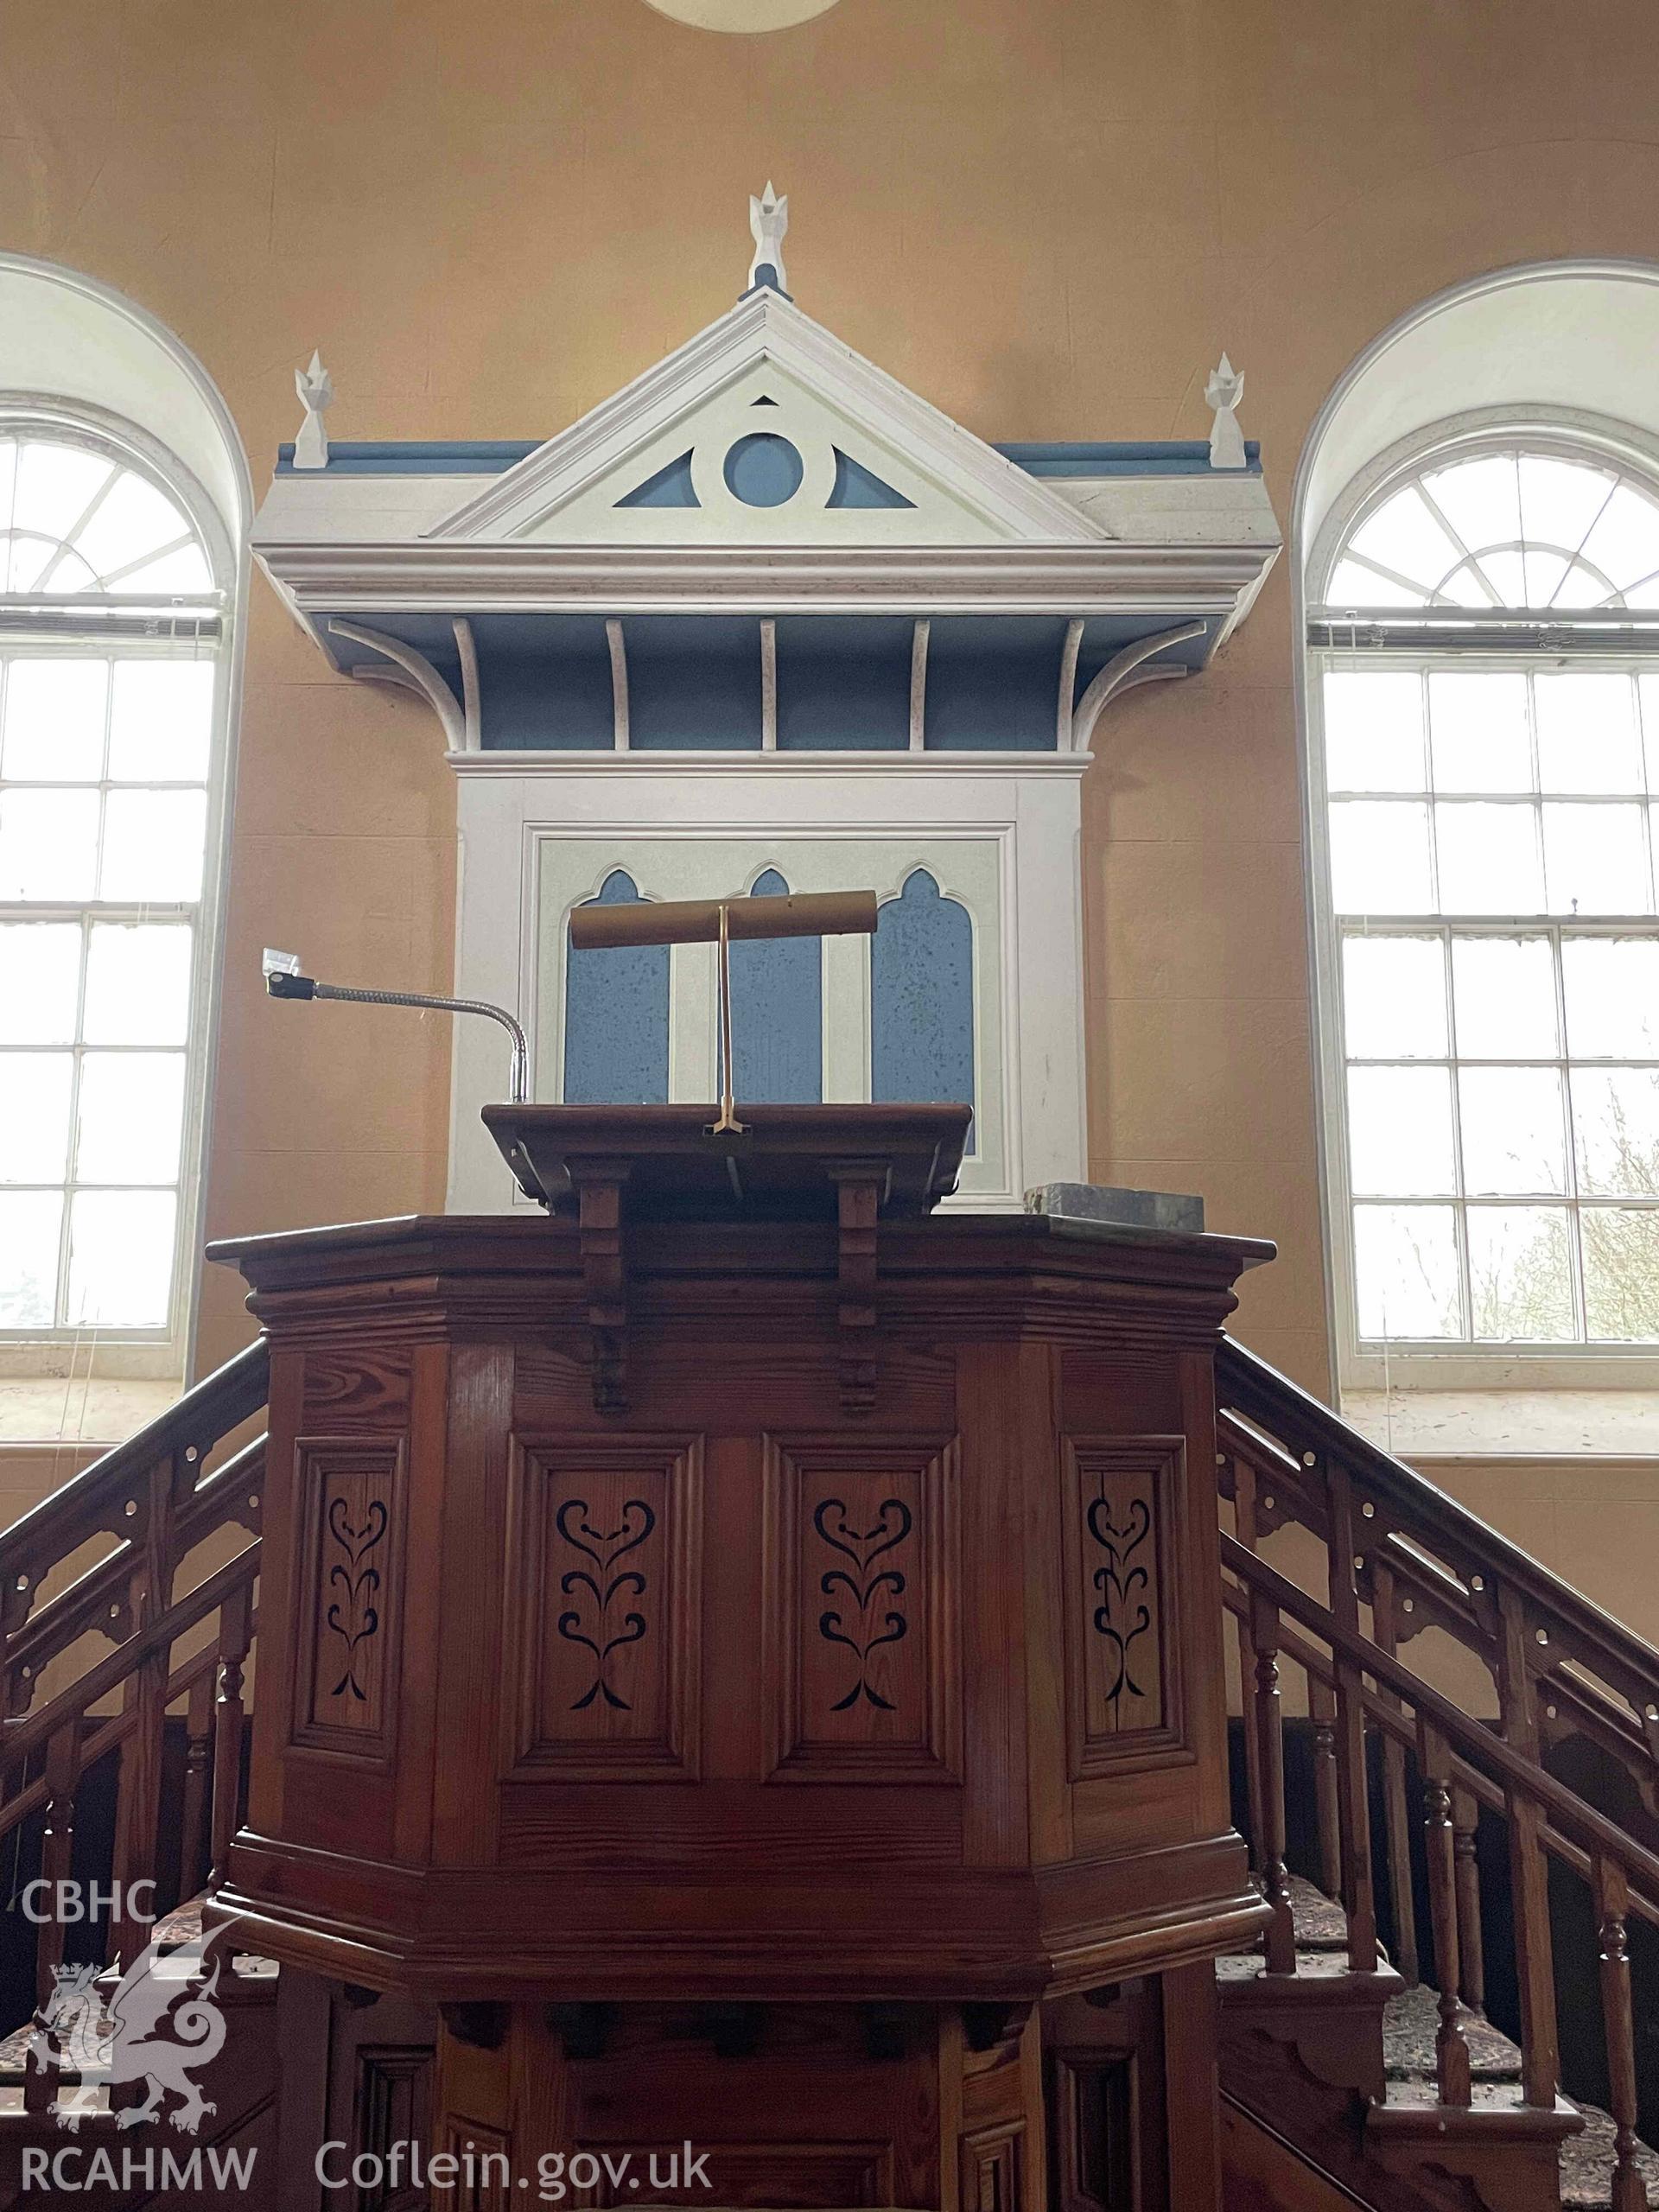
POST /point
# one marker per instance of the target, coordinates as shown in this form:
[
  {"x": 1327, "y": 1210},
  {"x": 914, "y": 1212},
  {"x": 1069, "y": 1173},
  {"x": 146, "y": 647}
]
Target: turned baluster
[
  {"x": 1353, "y": 1796},
  {"x": 1322, "y": 1711},
  {"x": 1534, "y": 1957},
  {"x": 57, "y": 1857},
  {"x": 1450, "y": 2048},
  {"x": 1396, "y": 1815},
  {"x": 1267, "y": 1727},
  {"x": 1471, "y": 1951},
  {"x": 1244, "y": 1521},
  {"x": 235, "y": 1620},
  {"x": 195, "y": 1845},
  {"x": 138, "y": 1802},
  {"x": 1612, "y": 1907}
]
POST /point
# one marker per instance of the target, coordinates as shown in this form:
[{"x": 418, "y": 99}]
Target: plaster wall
[{"x": 1048, "y": 216}]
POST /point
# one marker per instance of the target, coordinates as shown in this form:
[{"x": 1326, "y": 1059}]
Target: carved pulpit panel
[
  {"x": 351, "y": 1494},
  {"x": 602, "y": 1588},
  {"x": 861, "y": 1593},
  {"x": 1123, "y": 1675}
]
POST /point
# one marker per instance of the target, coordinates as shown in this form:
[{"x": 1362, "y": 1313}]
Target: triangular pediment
[{"x": 766, "y": 429}]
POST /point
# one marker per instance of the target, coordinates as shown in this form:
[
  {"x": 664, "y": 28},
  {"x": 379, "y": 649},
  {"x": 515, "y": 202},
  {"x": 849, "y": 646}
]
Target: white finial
[
  {"x": 768, "y": 219},
  {"x": 1222, "y": 392},
  {"x": 316, "y": 390}
]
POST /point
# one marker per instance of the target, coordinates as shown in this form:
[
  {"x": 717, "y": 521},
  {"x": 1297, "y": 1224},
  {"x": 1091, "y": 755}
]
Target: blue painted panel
[
  {"x": 922, "y": 998},
  {"x": 858, "y": 487},
  {"x": 616, "y": 1017},
  {"x": 545, "y": 685},
  {"x": 694, "y": 683},
  {"x": 994, "y": 682},
  {"x": 843, "y": 683},
  {"x": 669, "y": 488},
  {"x": 778, "y": 1013},
  {"x": 764, "y": 470}
]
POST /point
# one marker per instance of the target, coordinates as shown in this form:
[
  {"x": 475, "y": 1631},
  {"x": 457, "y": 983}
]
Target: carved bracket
[
  {"x": 858, "y": 1199},
  {"x": 604, "y": 1274},
  {"x": 401, "y": 665},
  {"x": 1124, "y": 670}
]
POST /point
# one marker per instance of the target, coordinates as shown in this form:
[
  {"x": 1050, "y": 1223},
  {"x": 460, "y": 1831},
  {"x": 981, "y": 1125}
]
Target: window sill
[{"x": 1538, "y": 1424}]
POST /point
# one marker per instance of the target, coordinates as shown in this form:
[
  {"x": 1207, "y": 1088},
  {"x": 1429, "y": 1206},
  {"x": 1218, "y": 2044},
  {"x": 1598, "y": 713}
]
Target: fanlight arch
[
  {"x": 78, "y": 517},
  {"x": 1510, "y": 525}
]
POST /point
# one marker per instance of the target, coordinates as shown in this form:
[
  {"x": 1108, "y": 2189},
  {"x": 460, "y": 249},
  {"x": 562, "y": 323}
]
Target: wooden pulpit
[{"x": 749, "y": 1645}]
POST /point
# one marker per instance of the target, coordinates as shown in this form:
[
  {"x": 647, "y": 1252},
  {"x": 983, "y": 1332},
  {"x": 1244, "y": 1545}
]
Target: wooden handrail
[
  {"x": 24, "y": 1736},
  {"x": 1580, "y": 1822},
  {"x": 1387, "y": 1715},
  {"x": 116, "y": 1495},
  {"x": 1249, "y": 1386},
  {"x": 99, "y": 1597}
]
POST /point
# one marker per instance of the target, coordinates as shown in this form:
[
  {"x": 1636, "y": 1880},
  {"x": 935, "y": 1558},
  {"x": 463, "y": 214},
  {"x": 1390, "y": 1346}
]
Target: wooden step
[{"x": 1323, "y": 2018}]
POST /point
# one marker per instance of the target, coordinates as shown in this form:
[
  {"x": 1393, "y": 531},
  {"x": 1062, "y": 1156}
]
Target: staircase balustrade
[
  {"x": 1399, "y": 1556},
  {"x": 153, "y": 1504}
]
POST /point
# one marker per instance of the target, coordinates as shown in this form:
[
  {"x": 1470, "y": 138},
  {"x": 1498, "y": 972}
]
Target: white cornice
[
  {"x": 765, "y": 327},
  {"x": 1103, "y": 577}
]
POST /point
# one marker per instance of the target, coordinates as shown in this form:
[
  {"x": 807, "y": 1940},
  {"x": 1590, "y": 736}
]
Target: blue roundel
[{"x": 764, "y": 470}]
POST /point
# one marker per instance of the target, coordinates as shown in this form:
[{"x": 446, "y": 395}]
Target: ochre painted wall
[{"x": 1049, "y": 216}]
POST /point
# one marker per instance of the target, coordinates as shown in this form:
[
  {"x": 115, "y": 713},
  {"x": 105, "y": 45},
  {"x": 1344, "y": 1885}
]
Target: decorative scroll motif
[
  {"x": 1122, "y": 1616},
  {"x": 603, "y": 1582},
  {"x": 348, "y": 1497},
  {"x": 354, "y": 1617},
  {"x": 861, "y": 1649},
  {"x": 874, "y": 1592},
  {"x": 1122, "y": 1655},
  {"x": 597, "y": 1586}
]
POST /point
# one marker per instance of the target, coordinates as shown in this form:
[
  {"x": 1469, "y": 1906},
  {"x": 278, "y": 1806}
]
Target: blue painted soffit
[
  {"x": 493, "y": 456},
  {"x": 843, "y": 681}
]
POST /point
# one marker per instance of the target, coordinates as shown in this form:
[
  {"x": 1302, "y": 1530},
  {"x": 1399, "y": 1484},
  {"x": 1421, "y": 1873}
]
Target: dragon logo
[{"x": 157, "y": 2026}]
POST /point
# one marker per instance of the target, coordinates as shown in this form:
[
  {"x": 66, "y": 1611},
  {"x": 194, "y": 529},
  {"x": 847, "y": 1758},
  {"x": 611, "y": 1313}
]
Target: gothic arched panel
[
  {"x": 922, "y": 997},
  {"x": 778, "y": 1013},
  {"x": 616, "y": 1017}
]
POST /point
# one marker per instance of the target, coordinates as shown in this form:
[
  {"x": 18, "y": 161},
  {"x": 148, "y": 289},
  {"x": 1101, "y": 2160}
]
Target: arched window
[
  {"x": 1484, "y": 713},
  {"x": 109, "y": 704}
]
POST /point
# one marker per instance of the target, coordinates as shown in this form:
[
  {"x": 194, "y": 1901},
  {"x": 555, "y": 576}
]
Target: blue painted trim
[
  {"x": 415, "y": 457},
  {"x": 1127, "y": 457},
  {"x": 492, "y": 456}
]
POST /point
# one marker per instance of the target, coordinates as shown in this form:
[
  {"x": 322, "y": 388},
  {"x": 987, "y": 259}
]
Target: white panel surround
[{"x": 538, "y": 835}]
